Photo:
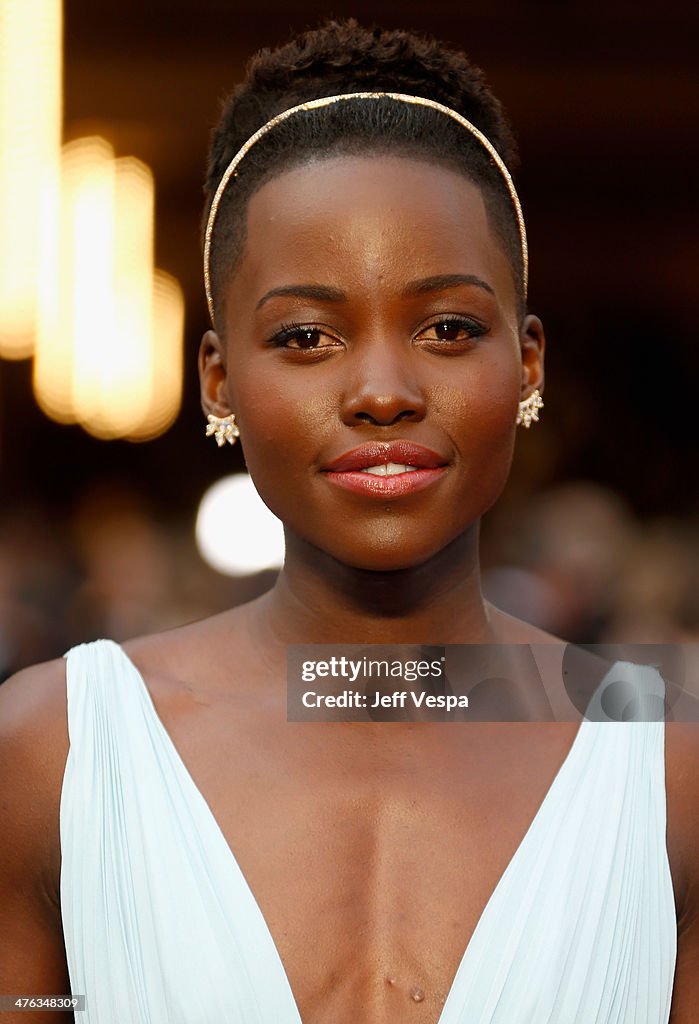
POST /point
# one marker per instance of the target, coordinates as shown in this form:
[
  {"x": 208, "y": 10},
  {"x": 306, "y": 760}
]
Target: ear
[
  {"x": 213, "y": 375},
  {"x": 532, "y": 344}
]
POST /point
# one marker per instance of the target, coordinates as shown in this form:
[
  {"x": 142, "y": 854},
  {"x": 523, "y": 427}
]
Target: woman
[{"x": 366, "y": 266}]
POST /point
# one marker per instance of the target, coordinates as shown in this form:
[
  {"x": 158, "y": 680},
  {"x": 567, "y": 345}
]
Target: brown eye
[
  {"x": 307, "y": 338},
  {"x": 453, "y": 329},
  {"x": 297, "y": 336},
  {"x": 448, "y": 330}
]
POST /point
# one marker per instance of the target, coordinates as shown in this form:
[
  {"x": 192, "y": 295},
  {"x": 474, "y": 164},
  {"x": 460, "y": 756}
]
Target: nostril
[
  {"x": 383, "y": 402},
  {"x": 404, "y": 414}
]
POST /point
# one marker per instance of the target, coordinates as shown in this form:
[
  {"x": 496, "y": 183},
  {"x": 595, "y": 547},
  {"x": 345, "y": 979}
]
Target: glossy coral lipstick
[{"x": 386, "y": 469}]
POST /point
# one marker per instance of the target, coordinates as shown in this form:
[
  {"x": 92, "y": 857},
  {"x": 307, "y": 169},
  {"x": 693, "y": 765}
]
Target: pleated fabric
[
  {"x": 159, "y": 923},
  {"x": 161, "y": 927}
]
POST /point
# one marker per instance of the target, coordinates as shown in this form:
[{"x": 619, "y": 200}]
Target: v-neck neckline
[{"x": 233, "y": 861}]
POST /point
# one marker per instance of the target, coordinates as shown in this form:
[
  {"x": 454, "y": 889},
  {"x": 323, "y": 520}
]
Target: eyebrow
[
  {"x": 440, "y": 282},
  {"x": 326, "y": 293}
]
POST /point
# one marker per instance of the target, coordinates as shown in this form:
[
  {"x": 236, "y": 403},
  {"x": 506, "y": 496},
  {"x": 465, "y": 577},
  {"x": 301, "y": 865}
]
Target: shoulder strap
[{"x": 160, "y": 925}]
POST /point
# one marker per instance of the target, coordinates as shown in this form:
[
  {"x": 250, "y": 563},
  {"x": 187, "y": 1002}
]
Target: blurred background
[{"x": 596, "y": 536}]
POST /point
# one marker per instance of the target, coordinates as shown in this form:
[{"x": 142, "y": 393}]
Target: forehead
[{"x": 365, "y": 219}]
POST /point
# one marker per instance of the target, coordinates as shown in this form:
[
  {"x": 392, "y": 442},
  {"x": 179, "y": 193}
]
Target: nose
[{"x": 381, "y": 387}]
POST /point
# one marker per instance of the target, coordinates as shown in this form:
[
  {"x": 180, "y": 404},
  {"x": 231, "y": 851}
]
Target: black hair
[{"x": 340, "y": 57}]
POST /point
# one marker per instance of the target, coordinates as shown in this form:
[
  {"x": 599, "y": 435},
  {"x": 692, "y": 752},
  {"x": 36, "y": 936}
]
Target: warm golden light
[
  {"x": 109, "y": 345},
  {"x": 114, "y": 352},
  {"x": 78, "y": 287},
  {"x": 168, "y": 335},
  {"x": 79, "y": 305},
  {"x": 30, "y": 139}
]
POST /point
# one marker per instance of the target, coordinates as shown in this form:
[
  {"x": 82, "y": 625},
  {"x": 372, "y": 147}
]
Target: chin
[
  {"x": 395, "y": 556},
  {"x": 384, "y": 562},
  {"x": 389, "y": 542}
]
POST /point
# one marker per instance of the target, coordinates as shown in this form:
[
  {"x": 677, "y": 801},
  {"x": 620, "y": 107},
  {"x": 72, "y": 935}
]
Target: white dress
[{"x": 161, "y": 927}]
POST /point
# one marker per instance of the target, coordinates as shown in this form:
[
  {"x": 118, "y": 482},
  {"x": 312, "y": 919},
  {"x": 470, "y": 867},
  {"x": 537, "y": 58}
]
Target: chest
[{"x": 371, "y": 851}]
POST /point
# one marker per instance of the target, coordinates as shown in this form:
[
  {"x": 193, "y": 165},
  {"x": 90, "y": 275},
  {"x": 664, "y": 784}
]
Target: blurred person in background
[
  {"x": 657, "y": 596},
  {"x": 130, "y": 584},
  {"x": 575, "y": 561},
  {"x": 568, "y": 550},
  {"x": 37, "y": 578}
]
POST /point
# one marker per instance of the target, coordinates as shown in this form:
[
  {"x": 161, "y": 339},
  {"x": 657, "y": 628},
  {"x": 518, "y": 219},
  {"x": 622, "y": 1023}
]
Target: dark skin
[{"x": 356, "y": 835}]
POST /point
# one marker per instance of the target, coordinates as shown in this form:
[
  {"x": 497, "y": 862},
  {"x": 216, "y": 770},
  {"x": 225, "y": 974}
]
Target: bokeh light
[
  {"x": 235, "y": 531},
  {"x": 31, "y": 110},
  {"x": 110, "y": 330}
]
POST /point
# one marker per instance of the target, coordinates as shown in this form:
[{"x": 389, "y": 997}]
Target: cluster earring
[
  {"x": 224, "y": 428},
  {"x": 529, "y": 409}
]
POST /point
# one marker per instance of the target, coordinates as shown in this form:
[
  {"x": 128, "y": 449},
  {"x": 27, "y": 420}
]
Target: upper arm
[
  {"x": 685, "y": 994},
  {"x": 33, "y": 749},
  {"x": 682, "y": 743}
]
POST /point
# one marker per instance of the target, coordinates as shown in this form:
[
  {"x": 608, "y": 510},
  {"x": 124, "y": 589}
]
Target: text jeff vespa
[{"x": 408, "y": 671}]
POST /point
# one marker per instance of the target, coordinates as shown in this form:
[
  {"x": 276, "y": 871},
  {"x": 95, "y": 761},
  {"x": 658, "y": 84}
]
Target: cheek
[
  {"x": 482, "y": 426},
  {"x": 283, "y": 418},
  {"x": 482, "y": 403},
  {"x": 282, "y": 426}
]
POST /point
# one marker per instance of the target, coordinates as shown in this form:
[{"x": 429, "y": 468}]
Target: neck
[{"x": 317, "y": 599}]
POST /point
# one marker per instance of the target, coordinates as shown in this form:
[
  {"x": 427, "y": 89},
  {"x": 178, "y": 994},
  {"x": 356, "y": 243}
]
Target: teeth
[{"x": 389, "y": 469}]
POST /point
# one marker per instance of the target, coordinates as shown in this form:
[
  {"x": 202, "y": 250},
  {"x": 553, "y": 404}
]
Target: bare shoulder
[
  {"x": 193, "y": 655},
  {"x": 682, "y": 786},
  {"x": 33, "y": 751},
  {"x": 198, "y": 670},
  {"x": 33, "y": 693},
  {"x": 33, "y": 729},
  {"x": 172, "y": 651}
]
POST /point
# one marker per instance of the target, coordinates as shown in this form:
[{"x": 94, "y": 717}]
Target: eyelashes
[
  {"x": 471, "y": 328},
  {"x": 304, "y": 334},
  {"x": 308, "y": 336}
]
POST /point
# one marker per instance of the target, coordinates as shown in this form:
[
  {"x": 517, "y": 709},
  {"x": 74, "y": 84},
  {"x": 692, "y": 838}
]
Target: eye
[
  {"x": 301, "y": 337},
  {"x": 459, "y": 330}
]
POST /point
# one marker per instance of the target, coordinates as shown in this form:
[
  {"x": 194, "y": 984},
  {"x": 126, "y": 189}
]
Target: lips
[
  {"x": 381, "y": 453},
  {"x": 409, "y": 468}
]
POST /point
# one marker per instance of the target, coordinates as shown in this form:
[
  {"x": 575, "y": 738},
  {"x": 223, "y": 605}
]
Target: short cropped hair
[{"x": 340, "y": 57}]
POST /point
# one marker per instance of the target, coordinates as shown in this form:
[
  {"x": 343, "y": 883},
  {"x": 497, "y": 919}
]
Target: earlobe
[
  {"x": 532, "y": 344},
  {"x": 213, "y": 378}
]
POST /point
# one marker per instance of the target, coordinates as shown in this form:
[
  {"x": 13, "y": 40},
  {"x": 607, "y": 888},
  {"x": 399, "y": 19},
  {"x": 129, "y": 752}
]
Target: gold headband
[{"x": 325, "y": 101}]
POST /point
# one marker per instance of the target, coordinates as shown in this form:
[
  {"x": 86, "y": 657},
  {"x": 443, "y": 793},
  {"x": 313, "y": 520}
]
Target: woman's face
[{"x": 373, "y": 303}]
